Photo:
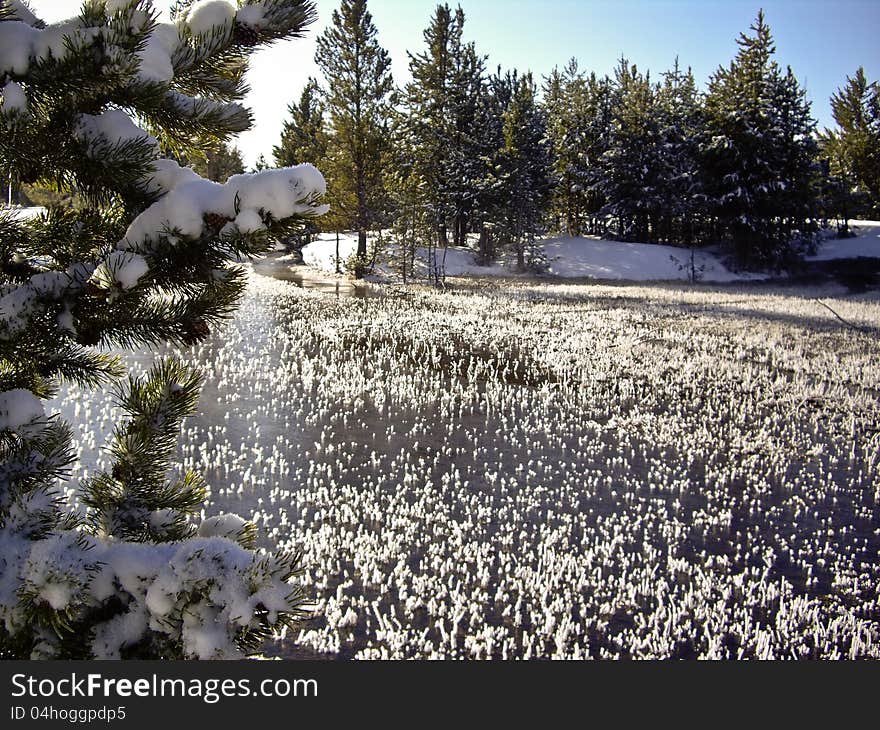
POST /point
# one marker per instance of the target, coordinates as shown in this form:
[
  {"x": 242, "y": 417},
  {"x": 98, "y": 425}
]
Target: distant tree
[
  {"x": 465, "y": 168},
  {"x": 758, "y": 152},
  {"x": 220, "y": 163},
  {"x": 524, "y": 174},
  {"x": 260, "y": 164},
  {"x": 489, "y": 191},
  {"x": 46, "y": 195},
  {"x": 442, "y": 104},
  {"x": 303, "y": 136},
  {"x": 304, "y": 139},
  {"x": 681, "y": 193},
  {"x": 630, "y": 167},
  {"x": 569, "y": 118},
  {"x": 853, "y": 149},
  {"x": 359, "y": 102},
  {"x": 412, "y": 225},
  {"x": 599, "y": 107}
]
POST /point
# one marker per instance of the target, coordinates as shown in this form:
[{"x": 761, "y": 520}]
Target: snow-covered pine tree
[
  {"x": 412, "y": 225},
  {"x": 755, "y": 151},
  {"x": 359, "y": 101},
  {"x": 599, "y": 105},
  {"x": 853, "y": 149},
  {"x": 682, "y": 199},
  {"x": 569, "y": 119},
  {"x": 524, "y": 174},
  {"x": 794, "y": 133},
  {"x": 630, "y": 171},
  {"x": 488, "y": 190},
  {"x": 87, "y": 104},
  {"x": 465, "y": 168}
]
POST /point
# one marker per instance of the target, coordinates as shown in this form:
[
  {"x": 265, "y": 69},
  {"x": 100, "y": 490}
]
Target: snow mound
[{"x": 864, "y": 244}]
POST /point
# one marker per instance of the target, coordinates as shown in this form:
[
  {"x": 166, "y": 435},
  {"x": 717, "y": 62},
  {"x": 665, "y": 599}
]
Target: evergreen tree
[
  {"x": 359, "y": 101},
  {"x": 631, "y": 174},
  {"x": 219, "y": 163},
  {"x": 682, "y": 199},
  {"x": 465, "y": 169},
  {"x": 853, "y": 149},
  {"x": 524, "y": 174},
  {"x": 599, "y": 107},
  {"x": 488, "y": 189},
  {"x": 442, "y": 103},
  {"x": 147, "y": 259},
  {"x": 303, "y": 137},
  {"x": 569, "y": 119},
  {"x": 411, "y": 225},
  {"x": 757, "y": 157},
  {"x": 260, "y": 164}
]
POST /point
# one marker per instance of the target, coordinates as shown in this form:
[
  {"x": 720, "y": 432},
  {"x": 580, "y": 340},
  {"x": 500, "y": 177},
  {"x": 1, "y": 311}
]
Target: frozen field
[{"x": 529, "y": 470}]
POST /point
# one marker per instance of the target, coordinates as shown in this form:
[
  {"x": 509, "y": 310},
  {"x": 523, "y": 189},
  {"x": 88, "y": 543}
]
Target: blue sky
[{"x": 823, "y": 41}]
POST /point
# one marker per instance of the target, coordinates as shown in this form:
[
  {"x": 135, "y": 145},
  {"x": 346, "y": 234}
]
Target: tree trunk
[
  {"x": 461, "y": 230},
  {"x": 361, "y": 254},
  {"x": 485, "y": 247}
]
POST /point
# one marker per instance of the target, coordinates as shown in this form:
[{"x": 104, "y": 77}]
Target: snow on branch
[{"x": 270, "y": 195}]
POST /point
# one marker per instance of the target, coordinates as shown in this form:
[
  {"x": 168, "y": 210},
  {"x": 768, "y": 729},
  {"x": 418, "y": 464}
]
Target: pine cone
[
  {"x": 215, "y": 222},
  {"x": 195, "y": 331},
  {"x": 88, "y": 337},
  {"x": 245, "y": 35}
]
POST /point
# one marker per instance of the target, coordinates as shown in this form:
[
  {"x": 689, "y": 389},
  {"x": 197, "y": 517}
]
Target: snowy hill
[
  {"x": 865, "y": 244},
  {"x": 593, "y": 258}
]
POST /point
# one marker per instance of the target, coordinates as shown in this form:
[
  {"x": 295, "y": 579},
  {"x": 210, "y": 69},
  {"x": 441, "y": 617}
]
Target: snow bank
[
  {"x": 23, "y": 213},
  {"x": 568, "y": 258},
  {"x": 594, "y": 258},
  {"x": 865, "y": 243},
  {"x": 321, "y": 254}
]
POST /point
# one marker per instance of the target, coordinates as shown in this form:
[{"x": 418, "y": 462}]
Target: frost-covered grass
[{"x": 534, "y": 470}]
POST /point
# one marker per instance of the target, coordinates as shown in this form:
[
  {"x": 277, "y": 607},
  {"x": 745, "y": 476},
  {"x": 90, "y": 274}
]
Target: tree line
[{"x": 464, "y": 151}]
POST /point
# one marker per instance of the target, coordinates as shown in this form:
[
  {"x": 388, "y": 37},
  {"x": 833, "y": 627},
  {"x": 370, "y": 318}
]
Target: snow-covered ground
[
  {"x": 544, "y": 469},
  {"x": 864, "y": 244},
  {"x": 593, "y": 258}
]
